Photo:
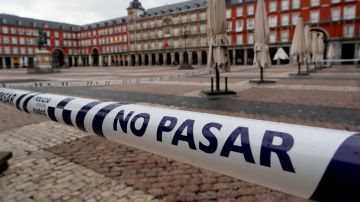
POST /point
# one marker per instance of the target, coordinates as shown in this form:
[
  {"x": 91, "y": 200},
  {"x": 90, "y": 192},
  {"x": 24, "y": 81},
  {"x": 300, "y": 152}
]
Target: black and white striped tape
[{"x": 312, "y": 163}]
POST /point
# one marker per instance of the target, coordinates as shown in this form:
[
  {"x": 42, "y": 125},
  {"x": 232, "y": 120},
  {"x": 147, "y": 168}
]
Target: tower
[{"x": 135, "y": 9}]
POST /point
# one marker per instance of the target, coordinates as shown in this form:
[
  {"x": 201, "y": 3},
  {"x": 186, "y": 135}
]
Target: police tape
[
  {"x": 312, "y": 163},
  {"x": 102, "y": 82}
]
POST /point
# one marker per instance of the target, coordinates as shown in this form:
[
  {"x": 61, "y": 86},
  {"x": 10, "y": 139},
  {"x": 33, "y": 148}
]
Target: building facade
[{"x": 177, "y": 33}]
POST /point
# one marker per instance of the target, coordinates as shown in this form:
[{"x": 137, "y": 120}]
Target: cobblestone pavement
[
  {"x": 37, "y": 175},
  {"x": 53, "y": 162},
  {"x": 161, "y": 177}
]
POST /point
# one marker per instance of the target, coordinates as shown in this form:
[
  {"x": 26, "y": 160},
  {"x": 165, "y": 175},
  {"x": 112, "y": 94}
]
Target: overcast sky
[{"x": 74, "y": 11}]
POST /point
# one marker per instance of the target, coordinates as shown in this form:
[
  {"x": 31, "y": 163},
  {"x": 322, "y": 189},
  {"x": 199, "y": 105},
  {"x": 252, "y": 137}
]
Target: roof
[
  {"x": 114, "y": 21},
  {"x": 30, "y": 22},
  {"x": 158, "y": 11},
  {"x": 174, "y": 8}
]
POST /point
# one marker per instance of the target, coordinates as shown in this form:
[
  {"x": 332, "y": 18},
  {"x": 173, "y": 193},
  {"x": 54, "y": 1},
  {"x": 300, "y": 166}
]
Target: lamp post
[{"x": 186, "y": 34}]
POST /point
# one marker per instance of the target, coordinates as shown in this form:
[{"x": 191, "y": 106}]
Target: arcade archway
[
  {"x": 58, "y": 58},
  {"x": 95, "y": 57}
]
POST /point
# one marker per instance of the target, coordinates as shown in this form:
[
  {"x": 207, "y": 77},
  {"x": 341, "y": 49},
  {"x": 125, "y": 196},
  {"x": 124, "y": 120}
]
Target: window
[
  {"x": 250, "y": 9},
  {"x": 335, "y": 14},
  {"x": 13, "y": 30},
  {"x": 335, "y": 1},
  {"x": 272, "y": 37},
  {"x": 229, "y": 28},
  {"x": 14, "y": 40},
  {"x": 56, "y": 34},
  {"x": 250, "y": 24},
  {"x": 349, "y": 31},
  {"x": 284, "y": 36},
  {"x": 285, "y": 20},
  {"x": 294, "y": 18},
  {"x": 284, "y": 5},
  {"x": 250, "y": 38},
  {"x": 176, "y": 31},
  {"x": 203, "y": 28},
  {"x": 239, "y": 39},
  {"x": 295, "y": 4},
  {"x": 315, "y": 3},
  {"x": 273, "y": 6},
  {"x": 5, "y": 30},
  {"x": 23, "y": 50},
  {"x": 349, "y": 12},
  {"x": 314, "y": 16},
  {"x": 239, "y": 26},
  {"x": 6, "y": 40},
  {"x": 203, "y": 16},
  {"x": 7, "y": 50},
  {"x": 15, "y": 50},
  {"x": 22, "y": 41},
  {"x": 193, "y": 17},
  {"x": 228, "y": 14},
  {"x": 273, "y": 21},
  {"x": 239, "y": 11}
]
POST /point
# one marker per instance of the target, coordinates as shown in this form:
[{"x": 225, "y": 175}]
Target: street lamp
[{"x": 186, "y": 65}]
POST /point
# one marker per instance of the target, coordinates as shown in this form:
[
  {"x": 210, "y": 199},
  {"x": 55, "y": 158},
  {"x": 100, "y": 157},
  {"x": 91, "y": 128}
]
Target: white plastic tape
[
  {"x": 102, "y": 82},
  {"x": 308, "y": 162}
]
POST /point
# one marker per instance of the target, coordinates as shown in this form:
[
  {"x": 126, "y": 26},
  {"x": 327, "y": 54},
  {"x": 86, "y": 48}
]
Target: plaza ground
[{"x": 53, "y": 162}]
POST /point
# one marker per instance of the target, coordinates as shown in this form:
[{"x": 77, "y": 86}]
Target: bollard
[
  {"x": 312, "y": 163},
  {"x": 212, "y": 84},
  {"x": 226, "y": 84}
]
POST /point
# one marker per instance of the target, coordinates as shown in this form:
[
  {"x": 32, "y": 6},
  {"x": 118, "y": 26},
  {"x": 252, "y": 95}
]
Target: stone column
[
  {"x": 156, "y": 58},
  {"x": 165, "y": 59},
  {"x": 245, "y": 57},
  {"x": 234, "y": 56},
  {"x": 12, "y": 62},
  {"x": 136, "y": 60},
  {"x": 356, "y": 52},
  {"x": 150, "y": 59},
  {"x": 100, "y": 60},
  {"x": 4, "y": 62},
  {"x": 172, "y": 58},
  {"x": 181, "y": 58},
  {"x": 129, "y": 60},
  {"x": 199, "y": 58},
  {"x": 26, "y": 61},
  {"x": 90, "y": 60},
  {"x": 66, "y": 61},
  {"x": 109, "y": 60},
  {"x": 80, "y": 61}
]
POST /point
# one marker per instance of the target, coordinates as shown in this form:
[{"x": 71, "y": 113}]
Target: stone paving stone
[
  {"x": 37, "y": 175},
  {"x": 322, "y": 82},
  {"x": 25, "y": 140},
  {"x": 160, "y": 177},
  {"x": 44, "y": 176},
  {"x": 10, "y": 118},
  {"x": 303, "y": 97},
  {"x": 168, "y": 89}
]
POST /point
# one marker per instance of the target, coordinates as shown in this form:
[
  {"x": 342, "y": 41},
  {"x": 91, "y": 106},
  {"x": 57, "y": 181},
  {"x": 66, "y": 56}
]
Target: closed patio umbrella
[
  {"x": 281, "y": 55},
  {"x": 308, "y": 47},
  {"x": 218, "y": 44},
  {"x": 321, "y": 47},
  {"x": 330, "y": 53},
  {"x": 298, "y": 47},
  {"x": 314, "y": 47},
  {"x": 261, "y": 50}
]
